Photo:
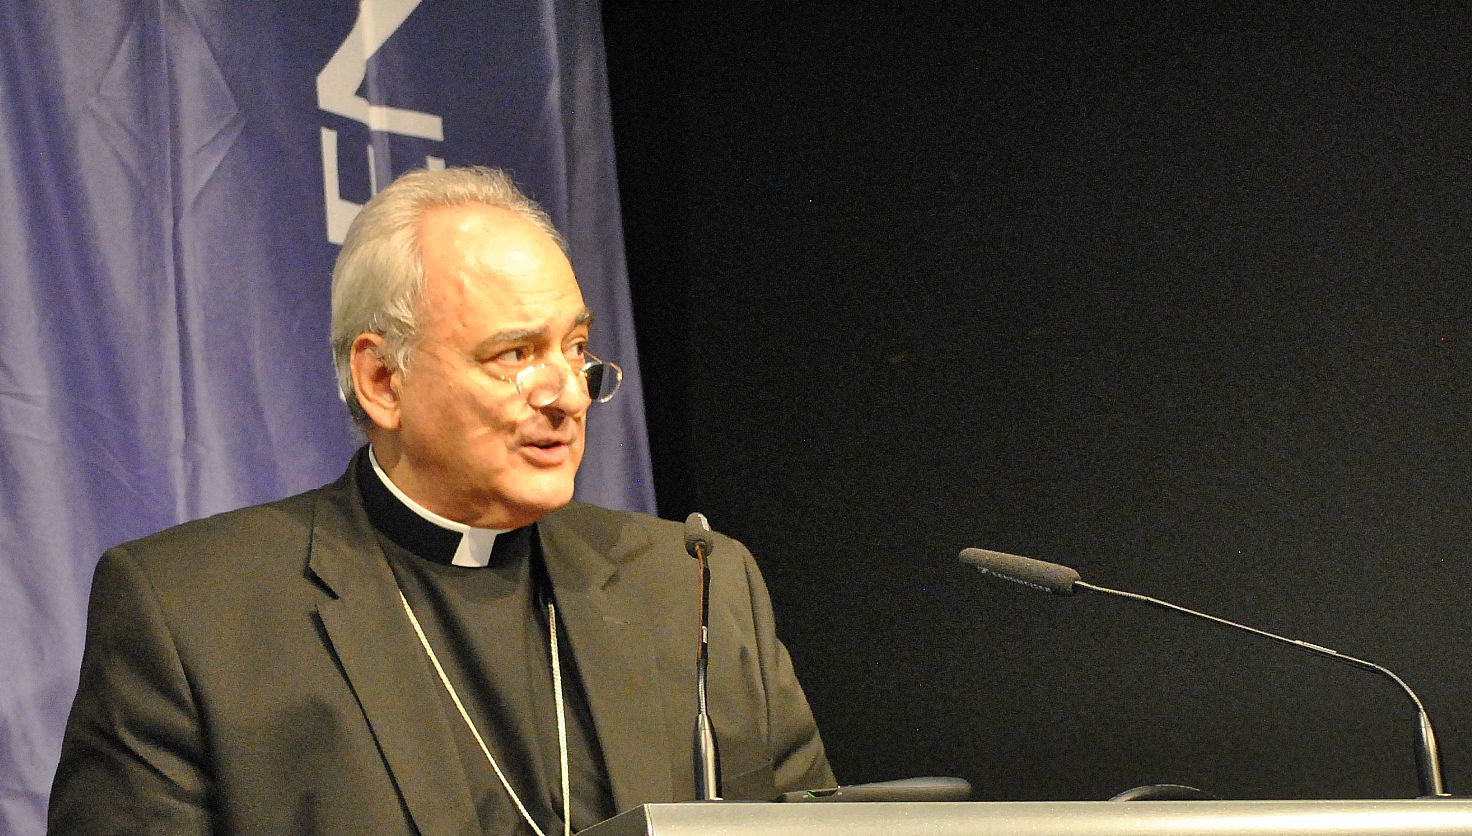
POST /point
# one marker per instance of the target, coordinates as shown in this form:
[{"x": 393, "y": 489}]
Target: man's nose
[{"x": 572, "y": 397}]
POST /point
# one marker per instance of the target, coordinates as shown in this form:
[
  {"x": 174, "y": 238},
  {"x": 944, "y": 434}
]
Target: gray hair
[{"x": 378, "y": 280}]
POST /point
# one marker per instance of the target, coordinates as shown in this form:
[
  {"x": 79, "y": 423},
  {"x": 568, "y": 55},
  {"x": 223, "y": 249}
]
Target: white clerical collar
[{"x": 475, "y": 543}]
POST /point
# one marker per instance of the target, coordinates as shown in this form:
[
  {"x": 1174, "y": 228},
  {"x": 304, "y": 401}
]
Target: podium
[{"x": 1047, "y": 818}]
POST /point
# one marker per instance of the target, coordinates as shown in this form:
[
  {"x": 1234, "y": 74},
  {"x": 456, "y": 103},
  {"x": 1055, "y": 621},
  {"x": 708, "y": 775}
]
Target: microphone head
[
  {"x": 1038, "y": 574},
  {"x": 697, "y": 536}
]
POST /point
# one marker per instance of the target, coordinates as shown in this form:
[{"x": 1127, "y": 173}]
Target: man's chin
[{"x": 537, "y": 501}]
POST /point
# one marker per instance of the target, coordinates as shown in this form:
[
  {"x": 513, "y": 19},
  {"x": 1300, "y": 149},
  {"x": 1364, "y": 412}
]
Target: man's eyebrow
[
  {"x": 584, "y": 317},
  {"x": 517, "y": 336}
]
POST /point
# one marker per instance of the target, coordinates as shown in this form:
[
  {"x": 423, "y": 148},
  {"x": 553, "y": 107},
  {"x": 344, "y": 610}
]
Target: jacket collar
[
  {"x": 611, "y": 632},
  {"x": 608, "y": 627},
  {"x": 365, "y": 626}
]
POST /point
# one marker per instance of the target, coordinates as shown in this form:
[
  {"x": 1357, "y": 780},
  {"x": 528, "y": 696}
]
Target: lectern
[{"x": 1420, "y": 817}]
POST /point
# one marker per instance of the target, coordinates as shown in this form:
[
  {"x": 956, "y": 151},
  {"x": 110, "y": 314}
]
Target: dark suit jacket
[{"x": 254, "y": 672}]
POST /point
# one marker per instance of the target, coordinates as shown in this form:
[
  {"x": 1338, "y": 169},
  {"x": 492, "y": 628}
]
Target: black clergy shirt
[{"x": 489, "y": 627}]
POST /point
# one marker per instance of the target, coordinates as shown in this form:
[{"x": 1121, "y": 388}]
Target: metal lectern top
[{"x": 1048, "y": 818}]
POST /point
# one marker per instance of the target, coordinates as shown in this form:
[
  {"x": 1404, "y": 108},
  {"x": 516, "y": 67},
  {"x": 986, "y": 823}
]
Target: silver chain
[{"x": 561, "y": 717}]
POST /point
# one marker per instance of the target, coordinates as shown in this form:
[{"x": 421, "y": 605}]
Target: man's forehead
[
  {"x": 486, "y": 253},
  {"x": 473, "y": 234}
]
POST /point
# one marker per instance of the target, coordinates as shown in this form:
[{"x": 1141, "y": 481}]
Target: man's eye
[
  {"x": 577, "y": 350},
  {"x": 513, "y": 356}
]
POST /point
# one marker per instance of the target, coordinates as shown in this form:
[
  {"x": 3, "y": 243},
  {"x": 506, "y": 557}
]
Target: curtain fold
[{"x": 176, "y": 176}]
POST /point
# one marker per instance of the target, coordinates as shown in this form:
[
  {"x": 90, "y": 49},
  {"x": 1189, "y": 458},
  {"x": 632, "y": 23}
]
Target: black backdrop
[{"x": 1173, "y": 293}]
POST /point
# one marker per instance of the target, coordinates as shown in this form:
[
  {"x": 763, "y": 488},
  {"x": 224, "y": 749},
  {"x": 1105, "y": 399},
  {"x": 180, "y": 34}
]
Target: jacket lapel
[
  {"x": 384, "y": 664},
  {"x": 615, "y": 652}
]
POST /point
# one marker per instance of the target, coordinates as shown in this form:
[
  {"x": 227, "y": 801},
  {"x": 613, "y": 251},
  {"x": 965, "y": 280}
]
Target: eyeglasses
[{"x": 542, "y": 384}]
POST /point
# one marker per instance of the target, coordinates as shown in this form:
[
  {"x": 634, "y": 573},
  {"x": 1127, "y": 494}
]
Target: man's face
[{"x": 499, "y": 295}]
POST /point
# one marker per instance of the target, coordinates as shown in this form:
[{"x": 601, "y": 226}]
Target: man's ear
[{"x": 375, "y": 380}]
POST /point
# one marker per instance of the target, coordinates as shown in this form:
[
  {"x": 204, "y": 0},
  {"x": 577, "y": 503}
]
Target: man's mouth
[{"x": 546, "y": 451}]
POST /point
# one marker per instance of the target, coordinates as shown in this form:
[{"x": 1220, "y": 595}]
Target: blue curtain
[{"x": 176, "y": 175}]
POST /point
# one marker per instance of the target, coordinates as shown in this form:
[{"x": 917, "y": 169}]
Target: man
[{"x": 438, "y": 642}]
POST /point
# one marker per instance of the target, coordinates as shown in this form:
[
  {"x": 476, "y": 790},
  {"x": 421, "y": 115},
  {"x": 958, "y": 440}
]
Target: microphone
[
  {"x": 1048, "y": 577},
  {"x": 697, "y": 535},
  {"x": 707, "y": 757},
  {"x": 1062, "y": 580}
]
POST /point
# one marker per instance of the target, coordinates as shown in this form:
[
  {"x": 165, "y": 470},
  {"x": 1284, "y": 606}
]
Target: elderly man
[{"x": 439, "y": 641}]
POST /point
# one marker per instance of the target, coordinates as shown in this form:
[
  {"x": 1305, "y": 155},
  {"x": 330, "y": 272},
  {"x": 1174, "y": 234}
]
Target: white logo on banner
[{"x": 337, "y": 87}]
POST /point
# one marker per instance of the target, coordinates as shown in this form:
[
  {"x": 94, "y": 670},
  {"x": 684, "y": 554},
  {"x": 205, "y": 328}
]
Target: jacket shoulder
[
  {"x": 595, "y": 517},
  {"x": 629, "y": 537},
  {"x": 231, "y": 538}
]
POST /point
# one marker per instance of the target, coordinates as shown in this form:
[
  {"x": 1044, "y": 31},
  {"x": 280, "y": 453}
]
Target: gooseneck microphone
[
  {"x": 1061, "y": 580},
  {"x": 707, "y": 758}
]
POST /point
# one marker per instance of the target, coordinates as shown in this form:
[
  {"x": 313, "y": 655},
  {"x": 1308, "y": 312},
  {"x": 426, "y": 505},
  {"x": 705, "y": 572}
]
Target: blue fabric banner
[{"x": 177, "y": 174}]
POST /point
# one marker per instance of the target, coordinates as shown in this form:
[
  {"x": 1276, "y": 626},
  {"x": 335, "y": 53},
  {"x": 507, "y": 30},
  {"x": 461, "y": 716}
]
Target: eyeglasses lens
[{"x": 543, "y": 385}]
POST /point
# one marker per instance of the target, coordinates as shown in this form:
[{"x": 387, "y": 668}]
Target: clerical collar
[{"x": 471, "y": 546}]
